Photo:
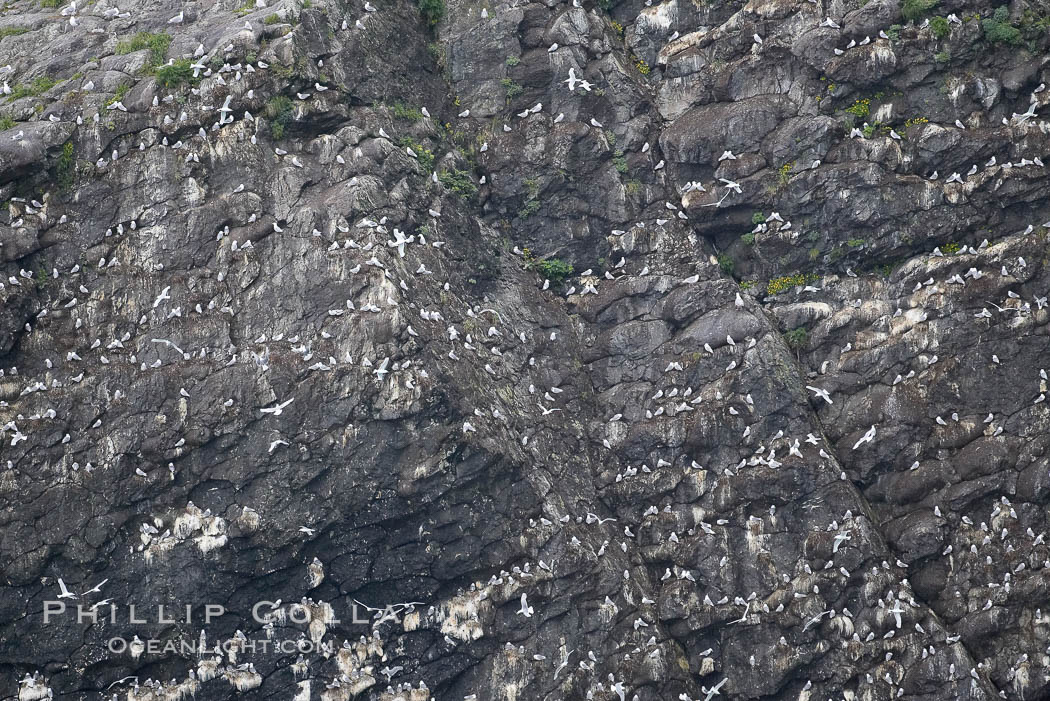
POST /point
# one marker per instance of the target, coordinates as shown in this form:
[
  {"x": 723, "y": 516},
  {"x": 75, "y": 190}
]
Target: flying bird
[{"x": 277, "y": 409}]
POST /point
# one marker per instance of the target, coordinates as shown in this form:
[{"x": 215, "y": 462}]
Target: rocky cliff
[{"x": 524, "y": 350}]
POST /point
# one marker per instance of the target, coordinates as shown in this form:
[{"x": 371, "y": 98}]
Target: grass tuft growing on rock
[
  {"x": 279, "y": 112},
  {"x": 402, "y": 111},
  {"x": 554, "y": 269},
  {"x": 39, "y": 86},
  {"x": 12, "y": 31},
  {"x": 180, "y": 71},
  {"x": 913, "y": 10},
  {"x": 118, "y": 96},
  {"x": 157, "y": 43},
  {"x": 65, "y": 167}
]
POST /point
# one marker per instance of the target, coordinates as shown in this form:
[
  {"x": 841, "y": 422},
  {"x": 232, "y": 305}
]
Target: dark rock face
[{"x": 277, "y": 340}]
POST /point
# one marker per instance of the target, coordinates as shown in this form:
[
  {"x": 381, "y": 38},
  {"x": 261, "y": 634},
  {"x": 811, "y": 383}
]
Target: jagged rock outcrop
[{"x": 289, "y": 328}]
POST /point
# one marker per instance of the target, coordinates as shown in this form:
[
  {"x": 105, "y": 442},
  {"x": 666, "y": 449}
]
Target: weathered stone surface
[{"x": 641, "y": 449}]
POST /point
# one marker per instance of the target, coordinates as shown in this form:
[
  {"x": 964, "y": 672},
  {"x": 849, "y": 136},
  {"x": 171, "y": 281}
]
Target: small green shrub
[
  {"x": 424, "y": 155},
  {"x": 512, "y": 88},
  {"x": 553, "y": 269},
  {"x": 513, "y": 61},
  {"x": 431, "y": 10},
  {"x": 1033, "y": 20},
  {"x": 156, "y": 43},
  {"x": 7, "y": 123},
  {"x": 180, "y": 71},
  {"x": 279, "y": 111},
  {"x": 65, "y": 167},
  {"x": 726, "y": 264},
  {"x": 913, "y": 10},
  {"x": 860, "y": 108},
  {"x": 272, "y": 19},
  {"x": 894, "y": 32},
  {"x": 787, "y": 282},
  {"x": 998, "y": 30},
  {"x": 620, "y": 162},
  {"x": 748, "y": 239},
  {"x": 121, "y": 92},
  {"x": 940, "y": 27},
  {"x": 797, "y": 339},
  {"x": 530, "y": 207},
  {"x": 437, "y": 50},
  {"x": 943, "y": 56},
  {"x": 403, "y": 111},
  {"x": 459, "y": 182},
  {"x": 758, "y": 218}
]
